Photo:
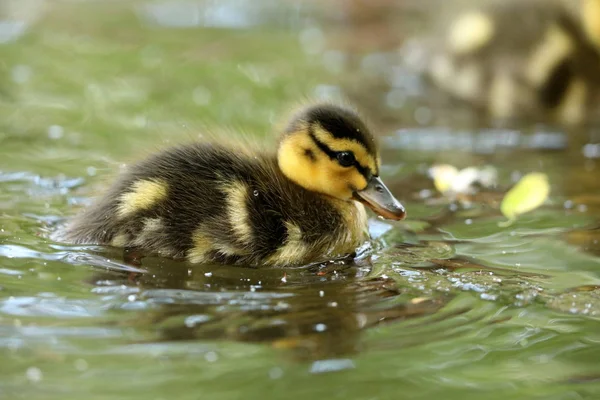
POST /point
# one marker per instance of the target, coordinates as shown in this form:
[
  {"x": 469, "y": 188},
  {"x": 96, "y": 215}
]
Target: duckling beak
[{"x": 378, "y": 198}]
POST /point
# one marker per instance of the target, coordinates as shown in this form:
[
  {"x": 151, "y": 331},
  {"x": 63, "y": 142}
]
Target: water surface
[{"x": 443, "y": 305}]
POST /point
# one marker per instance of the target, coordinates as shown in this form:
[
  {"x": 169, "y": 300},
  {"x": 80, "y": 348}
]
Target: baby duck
[
  {"x": 211, "y": 202},
  {"x": 518, "y": 59}
]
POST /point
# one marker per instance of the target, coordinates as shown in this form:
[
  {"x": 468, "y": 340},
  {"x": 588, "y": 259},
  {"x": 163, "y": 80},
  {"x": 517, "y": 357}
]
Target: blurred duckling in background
[
  {"x": 534, "y": 59},
  {"x": 212, "y": 202}
]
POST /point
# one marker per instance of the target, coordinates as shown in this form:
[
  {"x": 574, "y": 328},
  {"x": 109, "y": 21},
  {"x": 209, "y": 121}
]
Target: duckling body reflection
[
  {"x": 514, "y": 59},
  {"x": 211, "y": 202}
]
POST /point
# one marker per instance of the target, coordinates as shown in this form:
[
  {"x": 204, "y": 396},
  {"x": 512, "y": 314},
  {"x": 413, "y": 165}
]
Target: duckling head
[{"x": 328, "y": 149}]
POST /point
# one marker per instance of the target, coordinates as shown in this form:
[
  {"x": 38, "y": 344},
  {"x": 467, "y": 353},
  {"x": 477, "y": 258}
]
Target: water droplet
[
  {"x": 275, "y": 373},
  {"x": 34, "y": 374},
  {"x": 321, "y": 293},
  {"x": 211, "y": 356},
  {"x": 201, "y": 96},
  {"x": 255, "y": 193},
  {"x": 331, "y": 365},
  {"x": 591, "y": 150},
  {"x": 425, "y": 193},
  {"x": 21, "y": 73},
  {"x": 194, "y": 320},
  {"x": 320, "y": 327},
  {"x": 80, "y": 365},
  {"x": 208, "y": 274},
  {"x": 55, "y": 132},
  {"x": 423, "y": 115},
  {"x": 140, "y": 121}
]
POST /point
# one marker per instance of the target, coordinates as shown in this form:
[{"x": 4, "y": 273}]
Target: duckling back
[{"x": 205, "y": 202}]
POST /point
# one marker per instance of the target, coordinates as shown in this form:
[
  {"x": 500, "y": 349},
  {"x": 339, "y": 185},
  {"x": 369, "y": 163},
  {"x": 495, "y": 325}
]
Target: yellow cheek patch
[
  {"x": 297, "y": 166},
  {"x": 470, "y": 32},
  {"x": 237, "y": 210},
  {"x": 335, "y": 144},
  {"x": 142, "y": 196},
  {"x": 351, "y": 177},
  {"x": 556, "y": 46},
  {"x": 318, "y": 173}
]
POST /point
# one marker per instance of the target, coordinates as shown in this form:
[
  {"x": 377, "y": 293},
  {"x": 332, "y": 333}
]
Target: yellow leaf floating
[{"x": 528, "y": 194}]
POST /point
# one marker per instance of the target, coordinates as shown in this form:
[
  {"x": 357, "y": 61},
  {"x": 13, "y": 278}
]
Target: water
[{"x": 443, "y": 305}]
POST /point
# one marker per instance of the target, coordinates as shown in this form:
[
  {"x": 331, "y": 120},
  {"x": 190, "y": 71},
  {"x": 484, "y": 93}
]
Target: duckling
[
  {"x": 514, "y": 59},
  {"x": 298, "y": 203}
]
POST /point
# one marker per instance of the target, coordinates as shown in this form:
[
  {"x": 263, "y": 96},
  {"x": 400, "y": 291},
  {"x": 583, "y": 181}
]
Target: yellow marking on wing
[
  {"x": 230, "y": 250},
  {"x": 573, "y": 106},
  {"x": 237, "y": 210},
  {"x": 142, "y": 195},
  {"x": 464, "y": 82},
  {"x": 556, "y": 46},
  {"x": 591, "y": 20},
  {"x": 152, "y": 224},
  {"x": 470, "y": 32},
  {"x": 442, "y": 71},
  {"x": 120, "y": 240},
  {"x": 293, "y": 251},
  {"x": 502, "y": 96},
  {"x": 468, "y": 81},
  {"x": 149, "y": 235},
  {"x": 201, "y": 247}
]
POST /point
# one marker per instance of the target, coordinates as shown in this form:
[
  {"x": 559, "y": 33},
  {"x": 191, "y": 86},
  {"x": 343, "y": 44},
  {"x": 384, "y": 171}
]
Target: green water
[{"x": 448, "y": 306}]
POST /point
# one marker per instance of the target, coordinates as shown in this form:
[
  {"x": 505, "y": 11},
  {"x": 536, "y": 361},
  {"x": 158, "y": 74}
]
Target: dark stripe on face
[{"x": 364, "y": 171}]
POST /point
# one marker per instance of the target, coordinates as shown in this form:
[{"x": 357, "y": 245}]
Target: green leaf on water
[{"x": 528, "y": 194}]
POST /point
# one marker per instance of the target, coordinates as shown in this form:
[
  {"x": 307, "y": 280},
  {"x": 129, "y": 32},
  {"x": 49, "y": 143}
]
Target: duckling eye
[{"x": 345, "y": 158}]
